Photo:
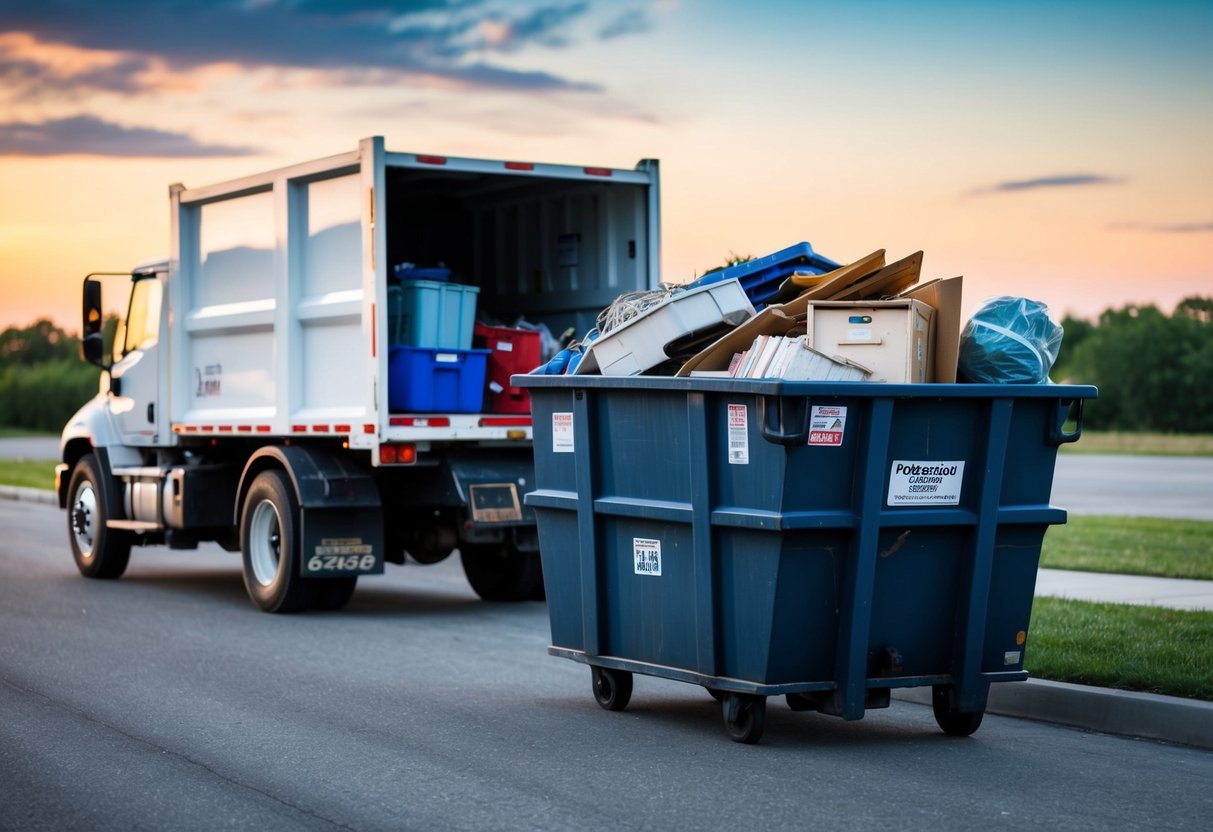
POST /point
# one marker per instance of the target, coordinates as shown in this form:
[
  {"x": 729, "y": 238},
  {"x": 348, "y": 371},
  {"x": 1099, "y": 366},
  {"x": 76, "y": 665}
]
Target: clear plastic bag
[{"x": 1009, "y": 340}]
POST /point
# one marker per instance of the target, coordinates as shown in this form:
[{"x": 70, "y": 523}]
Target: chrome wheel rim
[
  {"x": 84, "y": 519},
  {"x": 265, "y": 542}
]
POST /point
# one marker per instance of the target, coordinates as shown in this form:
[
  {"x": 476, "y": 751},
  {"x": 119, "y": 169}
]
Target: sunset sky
[{"x": 1058, "y": 150}]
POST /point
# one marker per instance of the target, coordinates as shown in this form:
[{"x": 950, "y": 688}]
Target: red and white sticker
[
  {"x": 562, "y": 433},
  {"x": 739, "y": 435},
  {"x": 827, "y": 424}
]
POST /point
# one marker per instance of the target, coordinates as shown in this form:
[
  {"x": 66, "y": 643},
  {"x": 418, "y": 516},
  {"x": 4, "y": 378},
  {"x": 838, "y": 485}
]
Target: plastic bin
[
  {"x": 407, "y": 272},
  {"x": 762, "y": 277},
  {"x": 825, "y": 541},
  {"x": 423, "y": 380},
  {"x": 428, "y": 313},
  {"x": 510, "y": 351}
]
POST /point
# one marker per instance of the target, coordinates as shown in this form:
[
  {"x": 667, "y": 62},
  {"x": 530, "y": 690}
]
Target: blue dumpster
[{"x": 824, "y": 541}]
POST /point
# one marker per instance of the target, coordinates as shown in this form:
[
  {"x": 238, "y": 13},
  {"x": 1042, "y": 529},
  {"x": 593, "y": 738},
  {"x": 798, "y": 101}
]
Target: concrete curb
[
  {"x": 1126, "y": 713},
  {"x": 28, "y": 495}
]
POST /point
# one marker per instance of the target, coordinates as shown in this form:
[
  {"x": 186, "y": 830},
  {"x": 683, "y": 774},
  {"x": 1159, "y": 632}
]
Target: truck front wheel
[
  {"x": 99, "y": 552},
  {"x": 499, "y": 572},
  {"x": 269, "y": 543}
]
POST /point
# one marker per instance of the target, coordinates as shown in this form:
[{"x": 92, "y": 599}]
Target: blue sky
[{"x": 1058, "y": 149}]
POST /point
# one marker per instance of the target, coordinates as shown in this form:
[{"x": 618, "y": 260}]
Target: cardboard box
[
  {"x": 943, "y": 296},
  {"x": 892, "y": 338}
]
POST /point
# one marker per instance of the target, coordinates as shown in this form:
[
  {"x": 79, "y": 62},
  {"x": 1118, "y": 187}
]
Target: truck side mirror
[{"x": 92, "y": 341}]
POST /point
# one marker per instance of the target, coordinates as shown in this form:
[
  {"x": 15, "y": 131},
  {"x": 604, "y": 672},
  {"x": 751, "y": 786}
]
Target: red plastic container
[{"x": 511, "y": 351}]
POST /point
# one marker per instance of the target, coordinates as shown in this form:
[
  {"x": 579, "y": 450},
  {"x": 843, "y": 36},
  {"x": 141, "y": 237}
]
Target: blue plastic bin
[
  {"x": 827, "y": 541},
  {"x": 761, "y": 278},
  {"x": 423, "y": 380},
  {"x": 405, "y": 272}
]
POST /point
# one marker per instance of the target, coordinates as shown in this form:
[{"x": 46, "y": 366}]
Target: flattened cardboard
[
  {"x": 831, "y": 282},
  {"x": 944, "y": 295},
  {"x": 890, "y": 281}
]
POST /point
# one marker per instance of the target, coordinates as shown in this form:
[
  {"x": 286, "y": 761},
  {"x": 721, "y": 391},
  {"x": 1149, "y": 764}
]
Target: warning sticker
[
  {"x": 827, "y": 424},
  {"x": 562, "y": 433},
  {"x": 646, "y": 556},
  {"x": 918, "y": 483},
  {"x": 739, "y": 435}
]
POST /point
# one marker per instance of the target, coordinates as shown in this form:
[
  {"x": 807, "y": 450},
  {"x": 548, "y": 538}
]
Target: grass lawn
[
  {"x": 1132, "y": 546},
  {"x": 28, "y": 473},
  {"x": 1152, "y": 444},
  {"x": 1150, "y": 649},
  {"x": 22, "y": 433}
]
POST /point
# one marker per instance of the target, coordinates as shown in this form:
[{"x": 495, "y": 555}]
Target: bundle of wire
[{"x": 631, "y": 305}]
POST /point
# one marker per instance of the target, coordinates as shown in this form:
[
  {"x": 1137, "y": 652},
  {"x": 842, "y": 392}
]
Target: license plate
[{"x": 495, "y": 503}]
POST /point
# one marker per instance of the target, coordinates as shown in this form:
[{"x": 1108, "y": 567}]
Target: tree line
[{"x": 1154, "y": 371}]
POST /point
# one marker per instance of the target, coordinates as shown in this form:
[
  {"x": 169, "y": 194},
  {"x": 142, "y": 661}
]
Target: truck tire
[
  {"x": 334, "y": 593},
  {"x": 499, "y": 572},
  {"x": 269, "y": 546},
  {"x": 99, "y": 552}
]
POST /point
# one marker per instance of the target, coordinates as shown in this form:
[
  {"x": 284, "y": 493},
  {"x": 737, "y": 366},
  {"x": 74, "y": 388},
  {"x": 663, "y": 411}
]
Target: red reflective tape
[
  {"x": 432, "y": 160},
  {"x": 519, "y": 166},
  {"x": 320, "y": 428},
  {"x": 368, "y": 428},
  {"x": 225, "y": 428},
  {"x": 598, "y": 171},
  {"x": 205, "y": 428},
  {"x": 263, "y": 428},
  {"x": 505, "y": 422},
  {"x": 341, "y": 428},
  {"x": 244, "y": 428},
  {"x": 420, "y": 421},
  {"x": 299, "y": 428}
]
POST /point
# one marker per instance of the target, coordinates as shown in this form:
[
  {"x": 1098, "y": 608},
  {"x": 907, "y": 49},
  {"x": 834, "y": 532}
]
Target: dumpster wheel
[
  {"x": 745, "y": 716},
  {"x": 953, "y": 722},
  {"x": 612, "y": 688}
]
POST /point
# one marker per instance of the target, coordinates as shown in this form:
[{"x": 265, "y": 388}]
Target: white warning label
[
  {"x": 919, "y": 483},
  {"x": 562, "y": 433},
  {"x": 646, "y": 555},
  {"x": 827, "y": 424},
  {"x": 739, "y": 435}
]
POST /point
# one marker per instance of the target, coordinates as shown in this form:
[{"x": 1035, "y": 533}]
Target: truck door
[{"x": 136, "y": 371}]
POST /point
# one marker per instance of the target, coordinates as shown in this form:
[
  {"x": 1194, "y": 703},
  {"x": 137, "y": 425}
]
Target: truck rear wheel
[
  {"x": 269, "y": 545},
  {"x": 499, "y": 572},
  {"x": 99, "y": 552},
  {"x": 334, "y": 593}
]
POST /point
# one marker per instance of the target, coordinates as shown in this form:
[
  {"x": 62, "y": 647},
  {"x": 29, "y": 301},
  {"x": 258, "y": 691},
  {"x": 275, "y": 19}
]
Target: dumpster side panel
[
  {"x": 648, "y": 617},
  {"x": 914, "y": 601},
  {"x": 804, "y": 630},
  {"x": 1012, "y": 588}
]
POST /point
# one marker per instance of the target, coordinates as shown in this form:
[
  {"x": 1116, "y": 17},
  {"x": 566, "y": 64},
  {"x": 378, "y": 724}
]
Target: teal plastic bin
[
  {"x": 828, "y": 542},
  {"x": 432, "y": 314}
]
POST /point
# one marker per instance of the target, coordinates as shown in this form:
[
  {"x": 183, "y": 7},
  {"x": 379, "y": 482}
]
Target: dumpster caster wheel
[
  {"x": 612, "y": 688},
  {"x": 952, "y": 722},
  {"x": 745, "y": 716}
]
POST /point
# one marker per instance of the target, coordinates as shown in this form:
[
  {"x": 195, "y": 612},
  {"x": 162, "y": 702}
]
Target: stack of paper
[{"x": 791, "y": 357}]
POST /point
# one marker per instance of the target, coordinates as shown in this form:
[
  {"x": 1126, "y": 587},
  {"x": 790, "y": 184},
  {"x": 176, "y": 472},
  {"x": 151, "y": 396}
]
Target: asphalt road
[
  {"x": 1127, "y": 486},
  {"x": 166, "y": 701}
]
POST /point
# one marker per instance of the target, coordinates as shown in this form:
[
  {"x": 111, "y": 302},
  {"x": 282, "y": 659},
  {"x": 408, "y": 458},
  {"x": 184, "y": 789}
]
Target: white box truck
[{"x": 246, "y": 398}]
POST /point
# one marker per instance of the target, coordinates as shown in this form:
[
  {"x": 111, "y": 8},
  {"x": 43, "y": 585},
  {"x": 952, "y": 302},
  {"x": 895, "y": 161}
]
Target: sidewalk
[{"x": 1142, "y": 715}]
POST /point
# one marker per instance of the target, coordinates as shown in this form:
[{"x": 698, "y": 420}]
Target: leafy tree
[
  {"x": 1153, "y": 371},
  {"x": 42, "y": 379}
]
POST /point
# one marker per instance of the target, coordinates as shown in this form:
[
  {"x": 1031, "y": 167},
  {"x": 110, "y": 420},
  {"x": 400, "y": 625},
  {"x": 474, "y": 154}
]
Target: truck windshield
[{"x": 141, "y": 328}]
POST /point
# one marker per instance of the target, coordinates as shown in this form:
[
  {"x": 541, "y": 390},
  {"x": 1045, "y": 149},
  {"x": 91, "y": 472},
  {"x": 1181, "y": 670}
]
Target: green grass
[
  {"x": 22, "y": 433},
  {"x": 28, "y": 473},
  {"x": 1132, "y": 546},
  {"x": 1149, "y": 444},
  {"x": 1150, "y": 649}
]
